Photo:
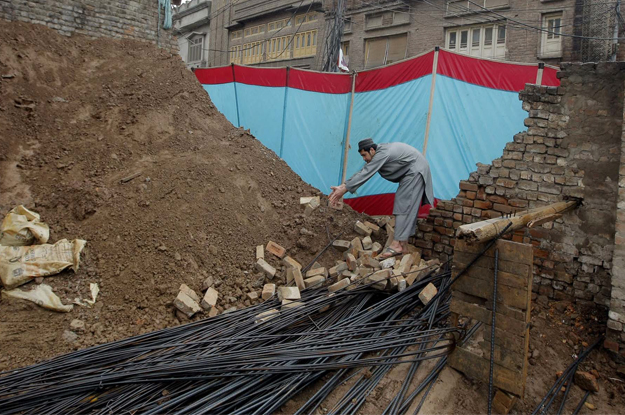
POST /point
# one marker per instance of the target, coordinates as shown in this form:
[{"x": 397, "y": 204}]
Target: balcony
[{"x": 464, "y": 7}]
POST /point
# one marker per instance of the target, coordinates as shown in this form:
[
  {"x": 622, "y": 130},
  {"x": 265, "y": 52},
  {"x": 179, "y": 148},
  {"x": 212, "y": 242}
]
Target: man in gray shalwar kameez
[{"x": 397, "y": 163}]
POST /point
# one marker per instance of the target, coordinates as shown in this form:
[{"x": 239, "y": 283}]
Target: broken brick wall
[
  {"x": 572, "y": 147},
  {"x": 135, "y": 19}
]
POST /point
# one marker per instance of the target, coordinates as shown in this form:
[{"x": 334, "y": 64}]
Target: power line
[{"x": 540, "y": 28}]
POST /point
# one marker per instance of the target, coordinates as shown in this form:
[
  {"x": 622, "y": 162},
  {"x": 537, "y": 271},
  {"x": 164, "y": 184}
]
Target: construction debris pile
[
  {"x": 357, "y": 265},
  {"x": 252, "y": 360}
]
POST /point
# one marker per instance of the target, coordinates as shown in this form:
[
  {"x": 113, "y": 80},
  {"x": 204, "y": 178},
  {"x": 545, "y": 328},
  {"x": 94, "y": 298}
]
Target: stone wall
[
  {"x": 616, "y": 317},
  {"x": 572, "y": 148},
  {"x": 136, "y": 19}
]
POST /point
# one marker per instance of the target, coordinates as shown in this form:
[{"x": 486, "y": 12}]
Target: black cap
[{"x": 367, "y": 142}]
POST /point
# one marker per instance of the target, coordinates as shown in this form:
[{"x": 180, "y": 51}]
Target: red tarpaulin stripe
[
  {"x": 491, "y": 74},
  {"x": 549, "y": 77},
  {"x": 381, "y": 205},
  {"x": 212, "y": 76},
  {"x": 328, "y": 83},
  {"x": 275, "y": 77},
  {"x": 395, "y": 74}
]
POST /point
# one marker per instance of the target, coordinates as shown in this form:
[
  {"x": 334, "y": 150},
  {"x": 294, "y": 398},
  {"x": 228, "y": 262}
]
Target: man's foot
[{"x": 388, "y": 252}]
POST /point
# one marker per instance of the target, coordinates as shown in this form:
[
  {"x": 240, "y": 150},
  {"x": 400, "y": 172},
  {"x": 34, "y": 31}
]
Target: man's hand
[{"x": 337, "y": 194}]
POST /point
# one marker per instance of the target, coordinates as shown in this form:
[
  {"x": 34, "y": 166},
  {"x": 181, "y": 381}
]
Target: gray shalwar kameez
[{"x": 403, "y": 164}]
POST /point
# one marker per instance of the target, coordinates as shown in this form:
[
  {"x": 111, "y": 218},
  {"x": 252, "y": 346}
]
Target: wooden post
[
  {"x": 432, "y": 88},
  {"x": 286, "y": 94},
  {"x": 349, "y": 129},
  {"x": 539, "y": 73},
  {"x": 236, "y": 98}
]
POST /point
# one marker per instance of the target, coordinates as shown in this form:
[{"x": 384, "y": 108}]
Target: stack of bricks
[
  {"x": 572, "y": 147},
  {"x": 135, "y": 19}
]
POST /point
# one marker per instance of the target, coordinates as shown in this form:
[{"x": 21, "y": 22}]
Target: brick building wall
[
  {"x": 135, "y": 19},
  {"x": 616, "y": 317},
  {"x": 572, "y": 148},
  {"x": 429, "y": 21}
]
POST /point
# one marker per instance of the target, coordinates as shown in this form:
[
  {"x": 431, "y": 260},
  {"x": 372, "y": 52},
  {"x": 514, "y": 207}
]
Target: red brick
[
  {"x": 611, "y": 345},
  {"x": 424, "y": 227},
  {"x": 448, "y": 223},
  {"x": 457, "y": 216},
  {"x": 476, "y": 212},
  {"x": 481, "y": 194},
  {"x": 498, "y": 199},
  {"x": 518, "y": 203},
  {"x": 540, "y": 253},
  {"x": 457, "y": 225},
  {"x": 440, "y": 229},
  {"x": 450, "y": 232},
  {"x": 436, "y": 238},
  {"x": 439, "y": 221},
  {"x": 503, "y": 208},
  {"x": 471, "y": 195},
  {"x": 517, "y": 238},
  {"x": 464, "y": 185},
  {"x": 464, "y": 202},
  {"x": 482, "y": 204}
]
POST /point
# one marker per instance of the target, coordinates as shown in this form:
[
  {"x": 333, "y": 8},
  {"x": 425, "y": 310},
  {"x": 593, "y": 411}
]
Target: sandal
[{"x": 390, "y": 251}]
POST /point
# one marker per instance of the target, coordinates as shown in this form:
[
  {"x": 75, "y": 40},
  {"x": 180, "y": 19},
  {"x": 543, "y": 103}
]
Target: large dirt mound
[{"x": 77, "y": 115}]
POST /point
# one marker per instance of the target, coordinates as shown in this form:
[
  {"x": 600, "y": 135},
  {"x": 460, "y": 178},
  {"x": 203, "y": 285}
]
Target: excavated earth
[{"x": 78, "y": 115}]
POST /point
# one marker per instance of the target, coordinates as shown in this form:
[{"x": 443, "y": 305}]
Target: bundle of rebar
[{"x": 251, "y": 361}]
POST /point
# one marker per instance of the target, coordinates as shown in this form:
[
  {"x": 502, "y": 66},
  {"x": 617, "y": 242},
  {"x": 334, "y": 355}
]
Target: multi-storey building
[
  {"x": 191, "y": 24},
  {"x": 378, "y": 33}
]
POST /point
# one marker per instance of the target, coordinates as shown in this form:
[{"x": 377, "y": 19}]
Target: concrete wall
[
  {"x": 136, "y": 19},
  {"x": 572, "y": 148}
]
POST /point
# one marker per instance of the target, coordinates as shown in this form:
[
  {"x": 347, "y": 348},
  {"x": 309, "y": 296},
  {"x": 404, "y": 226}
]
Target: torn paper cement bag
[
  {"x": 41, "y": 295},
  {"x": 23, "y": 227},
  {"x": 20, "y": 264}
]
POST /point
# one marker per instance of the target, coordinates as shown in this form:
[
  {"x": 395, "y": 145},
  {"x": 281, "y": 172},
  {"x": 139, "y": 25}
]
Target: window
[
  {"x": 195, "y": 49},
  {"x": 255, "y": 30},
  {"x": 385, "y": 50},
  {"x": 235, "y": 54},
  {"x": 253, "y": 52},
  {"x": 305, "y": 18},
  {"x": 345, "y": 50},
  {"x": 478, "y": 40},
  {"x": 278, "y": 24},
  {"x": 347, "y": 25},
  {"x": 551, "y": 39},
  {"x": 305, "y": 44},
  {"x": 237, "y": 34},
  {"x": 385, "y": 19},
  {"x": 460, "y": 7},
  {"x": 277, "y": 48}
]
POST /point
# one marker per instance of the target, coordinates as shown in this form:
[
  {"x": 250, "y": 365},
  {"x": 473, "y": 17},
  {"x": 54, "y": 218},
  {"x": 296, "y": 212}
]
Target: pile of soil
[{"x": 78, "y": 115}]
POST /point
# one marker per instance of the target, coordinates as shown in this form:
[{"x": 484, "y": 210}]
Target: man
[{"x": 397, "y": 163}]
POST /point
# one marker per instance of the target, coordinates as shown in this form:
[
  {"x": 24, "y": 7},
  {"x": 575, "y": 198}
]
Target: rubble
[
  {"x": 428, "y": 293},
  {"x": 275, "y": 249},
  {"x": 341, "y": 246},
  {"x": 188, "y": 291},
  {"x": 210, "y": 299},
  {"x": 288, "y": 293},
  {"x": 269, "y": 290},
  {"x": 362, "y": 229},
  {"x": 263, "y": 266},
  {"x": 186, "y": 305}
]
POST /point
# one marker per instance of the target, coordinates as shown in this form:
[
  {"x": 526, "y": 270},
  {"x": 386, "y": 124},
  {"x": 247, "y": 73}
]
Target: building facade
[
  {"x": 191, "y": 25},
  {"x": 550, "y": 31}
]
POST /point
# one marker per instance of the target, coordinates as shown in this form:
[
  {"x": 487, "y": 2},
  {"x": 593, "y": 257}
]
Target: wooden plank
[
  {"x": 462, "y": 259},
  {"x": 508, "y": 250},
  {"x": 477, "y": 367},
  {"x": 502, "y": 322},
  {"x": 508, "y": 340},
  {"x": 508, "y": 358},
  {"x": 502, "y": 308},
  {"x": 503, "y": 278},
  {"x": 514, "y": 297}
]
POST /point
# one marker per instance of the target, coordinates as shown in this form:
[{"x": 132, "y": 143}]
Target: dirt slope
[{"x": 81, "y": 114}]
